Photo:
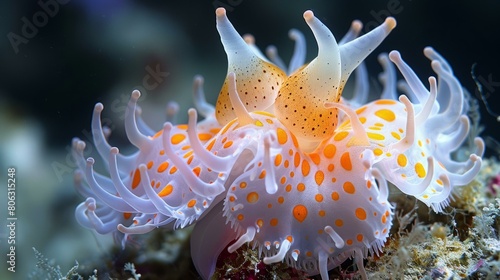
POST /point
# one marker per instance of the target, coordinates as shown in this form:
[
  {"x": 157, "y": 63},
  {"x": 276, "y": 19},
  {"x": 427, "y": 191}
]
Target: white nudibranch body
[{"x": 294, "y": 168}]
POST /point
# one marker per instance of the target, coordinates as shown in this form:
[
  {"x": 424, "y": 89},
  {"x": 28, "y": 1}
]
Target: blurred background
[{"x": 59, "y": 57}]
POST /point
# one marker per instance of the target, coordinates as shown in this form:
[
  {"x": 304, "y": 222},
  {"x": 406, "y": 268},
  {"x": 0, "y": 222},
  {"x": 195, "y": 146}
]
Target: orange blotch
[
  {"x": 136, "y": 179},
  {"x": 335, "y": 196},
  {"x": 305, "y": 168},
  {"x": 177, "y": 138},
  {"x": 168, "y": 189},
  {"x": 282, "y": 136},
  {"x": 163, "y": 166},
  {"x": 204, "y": 136},
  {"x": 319, "y": 177},
  {"x": 386, "y": 114},
  {"x": 228, "y": 144},
  {"x": 252, "y": 197},
  {"x": 281, "y": 200},
  {"x": 301, "y": 187},
  {"x": 300, "y": 212},
  {"x": 321, "y": 213},
  {"x": 278, "y": 159},
  {"x": 262, "y": 174},
  {"x": 273, "y": 222},
  {"x": 345, "y": 161},
  {"x": 315, "y": 158},
  {"x": 349, "y": 187},
  {"x": 360, "y": 214},
  {"x": 150, "y": 164},
  {"x": 420, "y": 170},
  {"x": 318, "y": 197},
  {"x": 127, "y": 215},
  {"x": 329, "y": 151},
  {"x": 197, "y": 171},
  {"x": 296, "y": 159},
  {"x": 339, "y": 222},
  {"x": 191, "y": 203}
]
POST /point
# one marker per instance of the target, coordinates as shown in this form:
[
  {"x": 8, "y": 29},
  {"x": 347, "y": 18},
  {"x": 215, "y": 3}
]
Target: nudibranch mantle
[{"x": 282, "y": 160}]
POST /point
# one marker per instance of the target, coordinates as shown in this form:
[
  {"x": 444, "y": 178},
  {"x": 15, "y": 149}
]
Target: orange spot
[
  {"x": 137, "y": 179},
  {"x": 177, "y": 138},
  {"x": 127, "y": 215},
  {"x": 228, "y": 144},
  {"x": 197, "y": 171},
  {"x": 173, "y": 170},
  {"x": 378, "y": 151},
  {"x": 288, "y": 188},
  {"x": 359, "y": 237},
  {"x": 402, "y": 160},
  {"x": 158, "y": 134},
  {"x": 286, "y": 163},
  {"x": 384, "y": 219},
  {"x": 190, "y": 159},
  {"x": 375, "y": 136},
  {"x": 150, "y": 164},
  {"x": 345, "y": 161},
  {"x": 269, "y": 121},
  {"x": 319, "y": 177},
  {"x": 283, "y": 180},
  {"x": 318, "y": 197},
  {"x": 309, "y": 253},
  {"x": 204, "y": 136},
  {"x": 282, "y": 136},
  {"x": 420, "y": 170},
  {"x": 362, "y": 120},
  {"x": 360, "y": 213},
  {"x": 168, "y": 189},
  {"x": 281, "y": 200},
  {"x": 321, "y": 213},
  {"x": 349, "y": 187},
  {"x": 191, "y": 203},
  {"x": 340, "y": 136},
  {"x": 278, "y": 159},
  {"x": 300, "y": 212},
  {"x": 163, "y": 166},
  {"x": 305, "y": 168},
  {"x": 348, "y": 241},
  {"x": 329, "y": 151},
  {"x": 162, "y": 152},
  {"x": 289, "y": 238},
  {"x": 296, "y": 159},
  {"x": 386, "y": 114},
  {"x": 243, "y": 185},
  {"x": 273, "y": 222},
  {"x": 301, "y": 187},
  {"x": 262, "y": 174},
  {"x": 252, "y": 197},
  {"x": 315, "y": 158},
  {"x": 331, "y": 167},
  {"x": 339, "y": 222},
  {"x": 335, "y": 196},
  {"x": 385, "y": 102},
  {"x": 260, "y": 223},
  {"x": 295, "y": 142},
  {"x": 232, "y": 198},
  {"x": 396, "y": 135},
  {"x": 439, "y": 182},
  {"x": 211, "y": 145},
  {"x": 360, "y": 110},
  {"x": 240, "y": 217}
]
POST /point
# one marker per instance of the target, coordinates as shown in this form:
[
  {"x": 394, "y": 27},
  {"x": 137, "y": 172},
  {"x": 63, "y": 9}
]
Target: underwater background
[{"x": 89, "y": 51}]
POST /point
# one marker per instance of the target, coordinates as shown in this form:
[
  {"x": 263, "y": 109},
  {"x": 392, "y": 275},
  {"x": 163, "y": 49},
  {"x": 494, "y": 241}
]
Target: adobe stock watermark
[
  {"x": 30, "y": 27},
  {"x": 229, "y": 5},
  {"x": 485, "y": 87},
  {"x": 393, "y": 8},
  {"x": 153, "y": 78}
]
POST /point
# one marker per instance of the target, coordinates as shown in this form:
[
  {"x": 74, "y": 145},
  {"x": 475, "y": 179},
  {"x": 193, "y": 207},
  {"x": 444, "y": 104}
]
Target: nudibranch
[{"x": 283, "y": 160}]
